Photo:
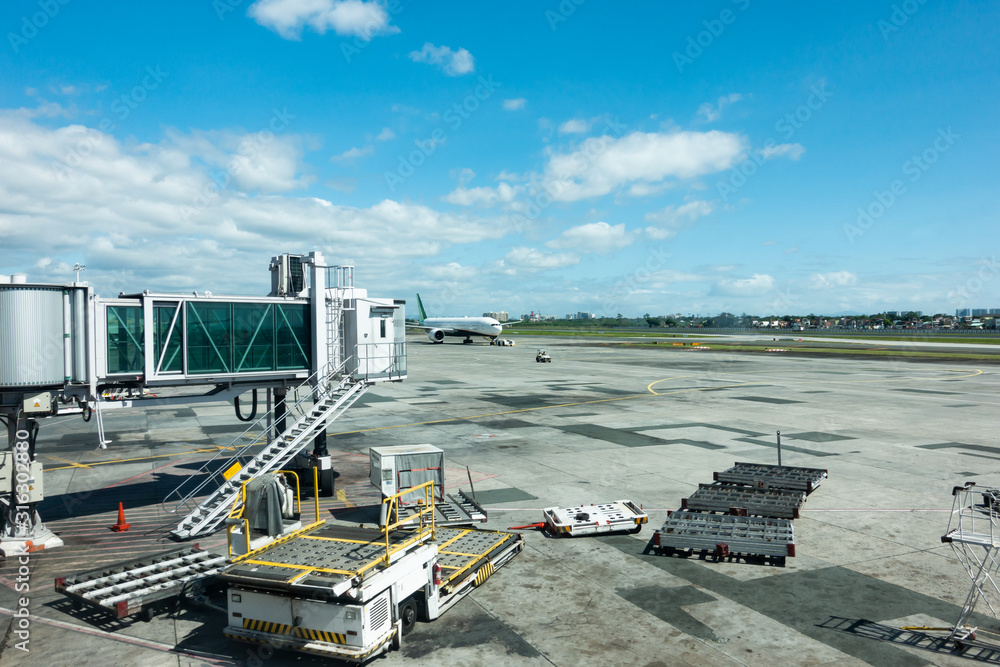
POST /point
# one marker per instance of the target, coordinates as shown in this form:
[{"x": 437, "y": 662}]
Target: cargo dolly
[
  {"x": 613, "y": 517},
  {"x": 459, "y": 509},
  {"x": 776, "y": 503},
  {"x": 725, "y": 536},
  {"x": 139, "y": 585},
  {"x": 765, "y": 476}
]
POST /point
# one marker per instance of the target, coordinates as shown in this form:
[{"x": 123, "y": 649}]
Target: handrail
[
  {"x": 240, "y": 506},
  {"x": 393, "y": 510},
  {"x": 239, "y": 454}
]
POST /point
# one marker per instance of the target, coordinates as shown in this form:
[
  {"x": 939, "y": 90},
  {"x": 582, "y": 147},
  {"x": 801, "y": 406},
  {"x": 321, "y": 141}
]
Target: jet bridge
[{"x": 65, "y": 349}]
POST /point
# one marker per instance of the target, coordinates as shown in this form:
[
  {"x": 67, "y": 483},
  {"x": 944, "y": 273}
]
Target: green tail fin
[{"x": 420, "y": 305}]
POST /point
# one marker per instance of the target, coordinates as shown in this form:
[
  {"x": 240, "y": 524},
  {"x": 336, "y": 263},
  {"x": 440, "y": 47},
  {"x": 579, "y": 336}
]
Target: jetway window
[
  {"x": 167, "y": 340},
  {"x": 294, "y": 341},
  {"x": 209, "y": 337},
  {"x": 125, "y": 336},
  {"x": 253, "y": 336}
]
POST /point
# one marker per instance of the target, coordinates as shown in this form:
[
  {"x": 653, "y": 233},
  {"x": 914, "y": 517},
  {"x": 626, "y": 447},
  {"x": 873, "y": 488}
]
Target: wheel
[
  {"x": 408, "y": 614},
  {"x": 77, "y": 604},
  {"x": 147, "y": 614},
  {"x": 326, "y": 483},
  {"x": 634, "y": 531}
]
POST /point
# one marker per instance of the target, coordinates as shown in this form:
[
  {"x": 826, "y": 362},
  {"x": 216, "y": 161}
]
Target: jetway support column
[{"x": 21, "y": 527}]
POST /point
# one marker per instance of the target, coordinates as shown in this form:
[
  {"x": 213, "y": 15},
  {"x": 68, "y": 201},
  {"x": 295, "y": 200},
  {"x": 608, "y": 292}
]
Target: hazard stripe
[
  {"x": 302, "y": 633},
  {"x": 485, "y": 572}
]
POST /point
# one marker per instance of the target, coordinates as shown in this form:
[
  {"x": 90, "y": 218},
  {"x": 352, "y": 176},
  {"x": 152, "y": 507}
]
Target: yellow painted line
[
  {"x": 71, "y": 463},
  {"x": 459, "y": 553},
  {"x": 140, "y": 458},
  {"x": 292, "y": 566},
  {"x": 459, "y": 536},
  {"x": 334, "y": 539},
  {"x": 342, "y": 497}
]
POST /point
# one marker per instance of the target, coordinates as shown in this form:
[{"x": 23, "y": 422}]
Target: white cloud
[
  {"x": 514, "y": 105},
  {"x": 596, "y": 237},
  {"x": 354, "y": 153},
  {"x": 385, "y": 135},
  {"x": 454, "y": 63},
  {"x": 345, "y": 17},
  {"x": 171, "y": 215},
  {"x": 483, "y": 196},
  {"x": 792, "y": 151},
  {"x": 531, "y": 259},
  {"x": 672, "y": 219},
  {"x": 648, "y": 189},
  {"x": 574, "y": 126},
  {"x": 463, "y": 175},
  {"x": 602, "y": 164},
  {"x": 832, "y": 279},
  {"x": 754, "y": 286},
  {"x": 710, "y": 112}
]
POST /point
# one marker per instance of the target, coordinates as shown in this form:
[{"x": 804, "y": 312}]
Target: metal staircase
[{"x": 315, "y": 406}]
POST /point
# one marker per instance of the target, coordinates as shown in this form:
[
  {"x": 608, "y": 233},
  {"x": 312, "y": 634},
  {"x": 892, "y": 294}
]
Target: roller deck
[
  {"x": 776, "y": 503},
  {"x": 726, "y": 535},
  {"x": 764, "y": 476}
]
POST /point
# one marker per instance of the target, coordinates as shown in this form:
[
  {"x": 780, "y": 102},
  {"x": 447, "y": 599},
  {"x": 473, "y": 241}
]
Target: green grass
[
  {"x": 599, "y": 334},
  {"x": 909, "y": 354},
  {"x": 917, "y": 338}
]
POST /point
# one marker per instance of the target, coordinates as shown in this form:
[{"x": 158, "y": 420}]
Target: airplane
[{"x": 439, "y": 327}]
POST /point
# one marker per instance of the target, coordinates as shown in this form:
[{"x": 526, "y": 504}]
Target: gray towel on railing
[{"x": 263, "y": 510}]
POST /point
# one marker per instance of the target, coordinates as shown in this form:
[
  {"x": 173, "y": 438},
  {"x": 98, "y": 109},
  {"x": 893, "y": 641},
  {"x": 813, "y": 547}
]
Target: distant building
[
  {"x": 963, "y": 312},
  {"x": 500, "y": 316},
  {"x": 584, "y": 316}
]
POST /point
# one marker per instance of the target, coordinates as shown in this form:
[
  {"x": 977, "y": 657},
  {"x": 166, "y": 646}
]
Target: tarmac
[{"x": 600, "y": 423}]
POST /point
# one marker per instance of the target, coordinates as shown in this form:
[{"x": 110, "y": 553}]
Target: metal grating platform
[
  {"x": 725, "y": 534},
  {"x": 765, "y": 476},
  {"x": 777, "y": 503}
]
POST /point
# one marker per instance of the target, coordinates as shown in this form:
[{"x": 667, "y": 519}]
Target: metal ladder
[{"x": 311, "y": 413}]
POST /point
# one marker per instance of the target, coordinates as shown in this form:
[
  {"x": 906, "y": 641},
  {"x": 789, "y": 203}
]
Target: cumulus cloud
[
  {"x": 514, "y": 105},
  {"x": 832, "y": 279},
  {"x": 167, "y": 215},
  {"x": 574, "y": 126},
  {"x": 344, "y": 17},
  {"x": 596, "y": 237},
  {"x": 454, "y": 63},
  {"x": 710, "y": 112},
  {"x": 599, "y": 165},
  {"x": 532, "y": 259},
  {"x": 792, "y": 151},
  {"x": 354, "y": 153},
  {"x": 484, "y": 196},
  {"x": 756, "y": 285},
  {"x": 672, "y": 219},
  {"x": 385, "y": 135}
]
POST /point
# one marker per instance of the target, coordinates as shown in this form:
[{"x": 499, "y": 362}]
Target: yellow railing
[
  {"x": 390, "y": 508},
  {"x": 239, "y": 507}
]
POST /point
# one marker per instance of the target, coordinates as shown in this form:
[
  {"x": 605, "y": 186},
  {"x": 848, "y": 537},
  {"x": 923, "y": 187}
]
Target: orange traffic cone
[{"x": 121, "y": 526}]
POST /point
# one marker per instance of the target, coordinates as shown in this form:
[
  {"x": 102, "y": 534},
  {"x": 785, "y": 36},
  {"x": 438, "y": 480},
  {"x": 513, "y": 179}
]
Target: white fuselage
[{"x": 465, "y": 326}]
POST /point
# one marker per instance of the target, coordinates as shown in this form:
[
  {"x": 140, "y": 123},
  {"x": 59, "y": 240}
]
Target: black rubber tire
[
  {"x": 326, "y": 483},
  {"x": 147, "y": 614},
  {"x": 408, "y": 614},
  {"x": 77, "y": 604},
  {"x": 636, "y": 530}
]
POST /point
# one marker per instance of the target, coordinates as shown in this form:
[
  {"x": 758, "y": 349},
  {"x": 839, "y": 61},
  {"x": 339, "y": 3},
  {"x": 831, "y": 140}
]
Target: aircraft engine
[{"x": 436, "y": 335}]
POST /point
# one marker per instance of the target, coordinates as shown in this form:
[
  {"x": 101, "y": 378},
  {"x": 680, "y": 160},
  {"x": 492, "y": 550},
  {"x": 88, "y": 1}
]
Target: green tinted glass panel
[
  {"x": 253, "y": 336},
  {"x": 172, "y": 360},
  {"x": 292, "y": 337},
  {"x": 209, "y": 337},
  {"x": 125, "y": 353}
]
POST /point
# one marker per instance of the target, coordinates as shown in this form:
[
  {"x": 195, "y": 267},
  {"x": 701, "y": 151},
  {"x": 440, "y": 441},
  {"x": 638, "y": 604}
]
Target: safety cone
[{"x": 121, "y": 526}]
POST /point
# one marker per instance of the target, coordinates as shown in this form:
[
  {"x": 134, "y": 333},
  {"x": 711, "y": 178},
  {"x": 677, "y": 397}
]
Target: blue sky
[{"x": 766, "y": 158}]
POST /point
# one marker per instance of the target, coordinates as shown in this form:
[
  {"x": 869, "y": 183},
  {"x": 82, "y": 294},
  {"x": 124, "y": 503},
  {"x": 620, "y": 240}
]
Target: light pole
[{"x": 78, "y": 268}]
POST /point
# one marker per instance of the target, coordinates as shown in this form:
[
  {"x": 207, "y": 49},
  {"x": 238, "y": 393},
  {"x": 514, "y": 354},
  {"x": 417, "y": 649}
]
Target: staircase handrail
[{"x": 239, "y": 453}]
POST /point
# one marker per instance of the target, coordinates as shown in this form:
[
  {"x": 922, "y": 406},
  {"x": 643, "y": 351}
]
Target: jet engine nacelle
[{"x": 436, "y": 335}]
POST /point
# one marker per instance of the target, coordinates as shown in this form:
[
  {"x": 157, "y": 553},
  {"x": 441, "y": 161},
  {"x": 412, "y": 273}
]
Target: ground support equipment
[
  {"x": 765, "y": 476},
  {"x": 617, "y": 516},
  {"x": 139, "y": 585},
  {"x": 455, "y": 510},
  {"x": 974, "y": 535},
  {"x": 726, "y": 536},
  {"x": 776, "y": 503}
]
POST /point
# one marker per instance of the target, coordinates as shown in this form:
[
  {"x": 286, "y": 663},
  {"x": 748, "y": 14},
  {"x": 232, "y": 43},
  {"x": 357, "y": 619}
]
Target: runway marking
[
  {"x": 61, "y": 460},
  {"x": 342, "y": 497},
  {"x": 625, "y": 398},
  {"x": 141, "y": 458}
]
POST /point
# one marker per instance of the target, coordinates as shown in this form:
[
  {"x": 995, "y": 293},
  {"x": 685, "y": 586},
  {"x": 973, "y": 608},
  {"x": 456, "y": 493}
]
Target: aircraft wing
[
  {"x": 507, "y": 324},
  {"x": 426, "y": 328}
]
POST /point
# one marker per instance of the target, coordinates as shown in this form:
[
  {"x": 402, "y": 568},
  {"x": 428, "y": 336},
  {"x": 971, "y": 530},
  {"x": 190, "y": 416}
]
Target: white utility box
[{"x": 398, "y": 468}]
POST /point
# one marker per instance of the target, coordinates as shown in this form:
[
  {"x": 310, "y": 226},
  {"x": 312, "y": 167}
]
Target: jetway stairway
[{"x": 314, "y": 408}]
